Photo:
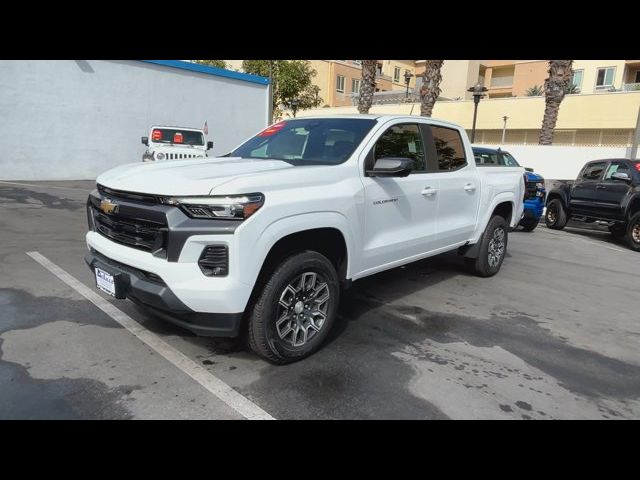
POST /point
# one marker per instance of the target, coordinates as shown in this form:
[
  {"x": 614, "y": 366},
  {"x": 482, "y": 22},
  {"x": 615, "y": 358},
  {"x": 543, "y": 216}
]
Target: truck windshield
[
  {"x": 315, "y": 141},
  {"x": 176, "y": 136}
]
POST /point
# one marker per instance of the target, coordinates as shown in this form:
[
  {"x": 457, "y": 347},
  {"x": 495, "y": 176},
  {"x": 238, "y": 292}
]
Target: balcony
[{"x": 630, "y": 87}]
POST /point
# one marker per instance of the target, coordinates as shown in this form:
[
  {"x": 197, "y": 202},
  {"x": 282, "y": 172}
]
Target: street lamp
[
  {"x": 478, "y": 93},
  {"x": 407, "y": 79},
  {"x": 504, "y": 128},
  {"x": 293, "y": 104}
]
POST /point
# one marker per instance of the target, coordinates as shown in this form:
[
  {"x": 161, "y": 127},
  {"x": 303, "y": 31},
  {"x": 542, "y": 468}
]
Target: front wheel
[
  {"x": 295, "y": 309},
  {"x": 493, "y": 248},
  {"x": 529, "y": 224},
  {"x": 555, "y": 217},
  {"x": 633, "y": 232}
]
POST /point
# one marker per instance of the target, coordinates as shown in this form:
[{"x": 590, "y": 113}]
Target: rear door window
[{"x": 449, "y": 149}]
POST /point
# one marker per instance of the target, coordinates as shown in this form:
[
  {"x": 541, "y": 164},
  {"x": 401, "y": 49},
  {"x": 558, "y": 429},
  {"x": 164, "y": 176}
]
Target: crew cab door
[
  {"x": 611, "y": 192},
  {"x": 584, "y": 192},
  {"x": 459, "y": 185},
  {"x": 400, "y": 212}
]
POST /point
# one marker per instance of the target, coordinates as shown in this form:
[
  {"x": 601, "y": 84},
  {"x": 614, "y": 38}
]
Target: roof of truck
[{"x": 374, "y": 116}]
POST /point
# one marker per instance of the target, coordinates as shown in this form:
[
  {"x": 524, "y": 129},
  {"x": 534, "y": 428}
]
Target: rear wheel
[
  {"x": 633, "y": 232},
  {"x": 555, "y": 217},
  {"x": 493, "y": 248},
  {"x": 295, "y": 309}
]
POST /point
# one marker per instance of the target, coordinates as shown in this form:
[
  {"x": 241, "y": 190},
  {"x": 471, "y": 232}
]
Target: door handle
[
  {"x": 429, "y": 192},
  {"x": 600, "y": 187},
  {"x": 469, "y": 187}
]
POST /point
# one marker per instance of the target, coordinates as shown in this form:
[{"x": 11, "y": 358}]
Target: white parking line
[
  {"x": 213, "y": 384},
  {"x": 42, "y": 186}
]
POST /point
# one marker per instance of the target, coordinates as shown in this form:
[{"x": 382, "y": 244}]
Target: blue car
[{"x": 535, "y": 191}]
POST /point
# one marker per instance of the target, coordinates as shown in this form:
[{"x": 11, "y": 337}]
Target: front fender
[{"x": 257, "y": 251}]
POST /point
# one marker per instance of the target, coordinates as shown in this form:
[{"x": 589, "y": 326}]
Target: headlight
[
  {"x": 235, "y": 207},
  {"x": 540, "y": 185},
  {"x": 160, "y": 156}
]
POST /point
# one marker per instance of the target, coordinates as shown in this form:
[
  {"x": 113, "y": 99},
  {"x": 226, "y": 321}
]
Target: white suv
[{"x": 175, "y": 143}]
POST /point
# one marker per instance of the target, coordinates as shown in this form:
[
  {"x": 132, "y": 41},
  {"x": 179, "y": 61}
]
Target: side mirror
[
  {"x": 145, "y": 141},
  {"x": 209, "y": 145},
  {"x": 528, "y": 169},
  {"x": 392, "y": 167},
  {"x": 621, "y": 176}
]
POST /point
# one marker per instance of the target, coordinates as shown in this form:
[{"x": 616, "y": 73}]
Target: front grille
[
  {"x": 141, "y": 234},
  {"x": 180, "y": 156},
  {"x": 214, "y": 261}
]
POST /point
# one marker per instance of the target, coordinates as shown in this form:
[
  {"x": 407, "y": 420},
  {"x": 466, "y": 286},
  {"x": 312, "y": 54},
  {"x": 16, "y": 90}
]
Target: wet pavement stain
[
  {"x": 25, "y": 196},
  {"x": 579, "y": 370},
  {"x": 25, "y": 397},
  {"x": 20, "y": 309}
]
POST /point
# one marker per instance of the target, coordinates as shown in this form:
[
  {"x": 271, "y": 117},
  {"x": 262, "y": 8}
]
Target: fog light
[{"x": 214, "y": 261}]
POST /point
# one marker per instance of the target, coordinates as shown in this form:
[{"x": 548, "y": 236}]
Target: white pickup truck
[
  {"x": 174, "y": 143},
  {"x": 265, "y": 237}
]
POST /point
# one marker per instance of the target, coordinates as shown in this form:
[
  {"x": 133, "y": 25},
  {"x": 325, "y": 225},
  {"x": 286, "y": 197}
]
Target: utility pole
[
  {"x": 270, "y": 92},
  {"x": 504, "y": 128},
  {"x": 636, "y": 138}
]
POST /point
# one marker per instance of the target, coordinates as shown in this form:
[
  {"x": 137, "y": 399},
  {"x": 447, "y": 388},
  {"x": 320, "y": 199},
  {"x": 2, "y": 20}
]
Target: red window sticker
[
  {"x": 156, "y": 135},
  {"x": 177, "y": 138},
  {"x": 270, "y": 130}
]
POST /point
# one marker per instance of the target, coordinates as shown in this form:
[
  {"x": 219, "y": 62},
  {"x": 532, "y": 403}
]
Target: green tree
[
  {"x": 291, "y": 80},
  {"x": 213, "y": 63},
  {"x": 560, "y": 75}
]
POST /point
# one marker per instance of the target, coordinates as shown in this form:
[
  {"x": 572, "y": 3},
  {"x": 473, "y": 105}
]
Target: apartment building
[{"x": 340, "y": 80}]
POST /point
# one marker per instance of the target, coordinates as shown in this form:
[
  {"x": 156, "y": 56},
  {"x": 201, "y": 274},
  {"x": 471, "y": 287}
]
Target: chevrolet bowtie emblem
[{"x": 108, "y": 207}]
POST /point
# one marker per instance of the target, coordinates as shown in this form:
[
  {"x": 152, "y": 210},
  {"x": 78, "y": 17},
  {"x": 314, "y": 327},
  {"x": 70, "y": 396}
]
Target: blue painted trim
[{"x": 220, "y": 72}]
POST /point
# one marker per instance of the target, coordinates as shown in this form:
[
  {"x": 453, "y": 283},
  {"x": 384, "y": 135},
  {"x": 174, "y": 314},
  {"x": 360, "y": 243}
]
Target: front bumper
[{"x": 150, "y": 291}]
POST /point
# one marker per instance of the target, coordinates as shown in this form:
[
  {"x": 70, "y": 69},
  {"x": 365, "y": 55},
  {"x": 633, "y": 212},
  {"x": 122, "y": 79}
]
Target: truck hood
[{"x": 184, "y": 177}]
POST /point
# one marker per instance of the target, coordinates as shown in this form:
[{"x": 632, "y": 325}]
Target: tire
[
  {"x": 529, "y": 224},
  {"x": 493, "y": 248},
  {"x": 307, "y": 273},
  {"x": 618, "y": 231},
  {"x": 633, "y": 232},
  {"x": 555, "y": 216}
]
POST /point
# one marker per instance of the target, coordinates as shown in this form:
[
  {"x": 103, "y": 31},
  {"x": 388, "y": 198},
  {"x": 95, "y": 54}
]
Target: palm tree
[
  {"x": 430, "y": 89},
  {"x": 368, "y": 86},
  {"x": 560, "y": 74}
]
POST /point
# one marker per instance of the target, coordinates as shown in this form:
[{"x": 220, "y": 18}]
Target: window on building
[
  {"x": 340, "y": 83},
  {"x": 576, "y": 80},
  {"x": 379, "y": 69},
  {"x": 396, "y": 74},
  {"x": 404, "y": 141},
  {"x": 449, "y": 148},
  {"x": 357, "y": 62},
  {"x": 605, "y": 76},
  {"x": 355, "y": 85}
]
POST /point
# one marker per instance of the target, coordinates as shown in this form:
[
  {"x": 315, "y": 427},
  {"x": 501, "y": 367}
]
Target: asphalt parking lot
[{"x": 555, "y": 335}]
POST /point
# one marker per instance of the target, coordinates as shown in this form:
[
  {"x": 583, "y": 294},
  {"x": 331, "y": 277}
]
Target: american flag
[{"x": 206, "y": 128}]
